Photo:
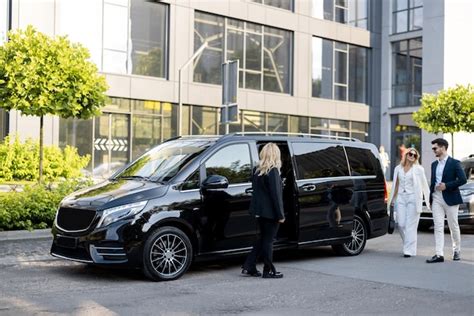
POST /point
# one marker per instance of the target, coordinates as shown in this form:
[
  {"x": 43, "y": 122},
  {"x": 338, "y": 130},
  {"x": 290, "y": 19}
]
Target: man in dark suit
[{"x": 446, "y": 178}]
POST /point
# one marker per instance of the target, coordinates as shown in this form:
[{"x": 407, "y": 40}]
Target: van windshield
[{"x": 163, "y": 162}]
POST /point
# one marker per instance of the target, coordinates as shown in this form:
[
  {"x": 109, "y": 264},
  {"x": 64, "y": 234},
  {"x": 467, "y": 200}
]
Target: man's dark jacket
[
  {"x": 453, "y": 177},
  {"x": 267, "y": 196}
]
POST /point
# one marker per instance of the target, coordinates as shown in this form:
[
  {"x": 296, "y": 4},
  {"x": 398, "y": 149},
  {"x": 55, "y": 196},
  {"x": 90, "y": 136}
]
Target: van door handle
[
  {"x": 308, "y": 187},
  {"x": 249, "y": 190}
]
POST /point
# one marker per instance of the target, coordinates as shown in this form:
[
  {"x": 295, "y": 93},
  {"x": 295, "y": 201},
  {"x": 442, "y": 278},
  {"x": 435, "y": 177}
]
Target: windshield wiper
[{"x": 134, "y": 177}]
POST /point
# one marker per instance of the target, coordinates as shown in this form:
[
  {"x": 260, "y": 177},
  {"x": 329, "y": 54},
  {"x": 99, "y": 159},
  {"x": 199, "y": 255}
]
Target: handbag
[{"x": 391, "y": 221}]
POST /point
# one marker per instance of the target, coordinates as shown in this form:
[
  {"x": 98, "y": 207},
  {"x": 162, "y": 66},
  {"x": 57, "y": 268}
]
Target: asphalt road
[{"x": 379, "y": 281}]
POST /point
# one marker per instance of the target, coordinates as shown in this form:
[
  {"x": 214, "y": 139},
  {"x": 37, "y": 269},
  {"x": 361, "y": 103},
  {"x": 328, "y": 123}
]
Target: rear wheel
[
  {"x": 357, "y": 243},
  {"x": 167, "y": 254}
]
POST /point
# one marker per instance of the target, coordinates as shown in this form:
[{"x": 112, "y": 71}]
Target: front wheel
[
  {"x": 357, "y": 243},
  {"x": 167, "y": 254}
]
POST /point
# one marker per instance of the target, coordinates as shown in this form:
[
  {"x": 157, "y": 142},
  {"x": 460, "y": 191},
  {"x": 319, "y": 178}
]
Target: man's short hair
[{"x": 440, "y": 142}]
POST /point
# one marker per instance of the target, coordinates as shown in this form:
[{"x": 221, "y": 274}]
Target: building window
[
  {"x": 339, "y": 128},
  {"x": 128, "y": 128},
  {"x": 282, "y": 4},
  {"x": 351, "y": 12},
  {"x": 264, "y": 53},
  {"x": 135, "y": 38},
  {"x": 407, "y": 72},
  {"x": 339, "y": 71},
  {"x": 407, "y": 15}
]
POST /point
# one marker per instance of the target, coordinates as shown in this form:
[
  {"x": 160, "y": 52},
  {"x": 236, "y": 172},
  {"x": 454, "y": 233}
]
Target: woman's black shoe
[
  {"x": 406, "y": 256},
  {"x": 255, "y": 273},
  {"x": 272, "y": 275}
]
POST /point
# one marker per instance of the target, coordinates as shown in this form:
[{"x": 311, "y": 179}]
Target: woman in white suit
[{"x": 409, "y": 187}]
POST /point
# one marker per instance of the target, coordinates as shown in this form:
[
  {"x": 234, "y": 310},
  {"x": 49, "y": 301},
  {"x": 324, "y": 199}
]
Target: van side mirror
[{"x": 215, "y": 182}]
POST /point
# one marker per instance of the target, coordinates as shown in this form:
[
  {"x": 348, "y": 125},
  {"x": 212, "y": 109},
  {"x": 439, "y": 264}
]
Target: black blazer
[
  {"x": 453, "y": 177},
  {"x": 267, "y": 196}
]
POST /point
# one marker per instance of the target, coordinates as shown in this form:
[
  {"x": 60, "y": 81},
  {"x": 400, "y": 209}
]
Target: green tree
[
  {"x": 449, "y": 111},
  {"x": 41, "y": 75}
]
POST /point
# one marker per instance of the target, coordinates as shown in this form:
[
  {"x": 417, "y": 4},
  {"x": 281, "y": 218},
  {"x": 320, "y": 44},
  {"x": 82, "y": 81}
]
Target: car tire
[
  {"x": 357, "y": 244},
  {"x": 167, "y": 254}
]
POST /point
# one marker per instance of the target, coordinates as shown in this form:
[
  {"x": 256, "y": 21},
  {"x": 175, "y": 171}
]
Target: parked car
[
  {"x": 466, "y": 210},
  {"x": 188, "y": 199}
]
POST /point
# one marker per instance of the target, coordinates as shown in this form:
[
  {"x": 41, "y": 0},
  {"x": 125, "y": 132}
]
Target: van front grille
[{"x": 71, "y": 219}]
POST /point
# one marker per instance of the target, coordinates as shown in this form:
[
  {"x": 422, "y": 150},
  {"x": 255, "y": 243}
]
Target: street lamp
[{"x": 180, "y": 104}]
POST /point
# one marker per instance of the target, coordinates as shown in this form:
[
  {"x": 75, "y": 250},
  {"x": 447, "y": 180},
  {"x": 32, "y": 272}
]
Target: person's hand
[
  {"x": 392, "y": 204},
  {"x": 441, "y": 186},
  {"x": 281, "y": 221}
]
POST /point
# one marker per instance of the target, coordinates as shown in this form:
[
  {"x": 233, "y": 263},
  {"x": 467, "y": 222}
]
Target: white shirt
[
  {"x": 440, "y": 169},
  {"x": 406, "y": 182}
]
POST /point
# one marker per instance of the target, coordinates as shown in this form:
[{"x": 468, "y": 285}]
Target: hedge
[
  {"x": 20, "y": 161},
  {"x": 36, "y": 206}
]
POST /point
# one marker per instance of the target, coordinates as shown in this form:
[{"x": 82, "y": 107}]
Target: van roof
[{"x": 277, "y": 136}]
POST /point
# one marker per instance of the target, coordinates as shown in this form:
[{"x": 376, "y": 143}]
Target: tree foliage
[
  {"x": 449, "y": 111},
  {"x": 40, "y": 75}
]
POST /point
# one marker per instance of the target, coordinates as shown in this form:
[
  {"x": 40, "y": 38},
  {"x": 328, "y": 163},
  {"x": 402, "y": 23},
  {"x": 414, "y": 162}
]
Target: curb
[{"x": 25, "y": 234}]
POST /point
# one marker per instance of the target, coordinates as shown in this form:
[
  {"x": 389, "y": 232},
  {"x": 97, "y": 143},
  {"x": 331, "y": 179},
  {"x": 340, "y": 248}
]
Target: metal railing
[{"x": 294, "y": 135}]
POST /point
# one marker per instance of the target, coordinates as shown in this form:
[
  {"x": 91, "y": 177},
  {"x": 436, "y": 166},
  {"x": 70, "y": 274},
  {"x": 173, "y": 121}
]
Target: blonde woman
[
  {"x": 409, "y": 188},
  {"x": 267, "y": 206}
]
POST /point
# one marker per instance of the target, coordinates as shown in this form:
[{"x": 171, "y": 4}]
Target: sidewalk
[{"x": 25, "y": 234}]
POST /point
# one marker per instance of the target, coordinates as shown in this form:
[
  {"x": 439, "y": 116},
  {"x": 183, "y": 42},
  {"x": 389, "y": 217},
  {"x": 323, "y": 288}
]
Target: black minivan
[{"x": 189, "y": 197}]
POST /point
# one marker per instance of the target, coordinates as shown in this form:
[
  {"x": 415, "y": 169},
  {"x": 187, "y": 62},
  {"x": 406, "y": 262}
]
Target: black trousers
[{"x": 263, "y": 246}]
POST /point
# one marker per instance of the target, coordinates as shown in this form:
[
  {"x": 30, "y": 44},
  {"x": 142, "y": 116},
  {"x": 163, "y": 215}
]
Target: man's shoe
[
  {"x": 272, "y": 275},
  {"x": 457, "y": 256},
  {"x": 254, "y": 273},
  {"x": 406, "y": 256},
  {"x": 435, "y": 259}
]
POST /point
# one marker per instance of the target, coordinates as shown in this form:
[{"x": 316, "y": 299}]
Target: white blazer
[{"x": 420, "y": 183}]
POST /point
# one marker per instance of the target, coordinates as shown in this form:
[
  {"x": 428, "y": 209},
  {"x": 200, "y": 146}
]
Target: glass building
[{"x": 350, "y": 68}]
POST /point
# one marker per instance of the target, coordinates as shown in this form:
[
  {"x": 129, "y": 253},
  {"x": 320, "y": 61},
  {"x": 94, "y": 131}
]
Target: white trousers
[
  {"x": 440, "y": 208},
  {"x": 407, "y": 219}
]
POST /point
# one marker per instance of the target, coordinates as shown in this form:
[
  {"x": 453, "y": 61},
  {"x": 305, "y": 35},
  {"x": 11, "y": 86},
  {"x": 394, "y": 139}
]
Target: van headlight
[{"x": 114, "y": 214}]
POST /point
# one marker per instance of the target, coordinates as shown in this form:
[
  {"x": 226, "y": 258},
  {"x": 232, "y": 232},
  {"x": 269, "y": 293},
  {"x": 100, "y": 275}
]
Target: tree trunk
[
  {"x": 40, "y": 179},
  {"x": 452, "y": 145}
]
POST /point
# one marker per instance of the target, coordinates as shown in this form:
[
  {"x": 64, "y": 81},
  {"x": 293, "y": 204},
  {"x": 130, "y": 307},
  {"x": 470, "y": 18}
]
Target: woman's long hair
[
  {"x": 404, "y": 160},
  {"x": 270, "y": 157}
]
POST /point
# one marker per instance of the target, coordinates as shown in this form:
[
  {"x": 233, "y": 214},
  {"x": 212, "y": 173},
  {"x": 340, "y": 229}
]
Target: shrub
[
  {"x": 36, "y": 206},
  {"x": 19, "y": 161}
]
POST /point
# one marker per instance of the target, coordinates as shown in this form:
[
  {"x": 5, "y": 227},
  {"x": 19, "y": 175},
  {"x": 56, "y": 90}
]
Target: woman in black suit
[{"x": 267, "y": 206}]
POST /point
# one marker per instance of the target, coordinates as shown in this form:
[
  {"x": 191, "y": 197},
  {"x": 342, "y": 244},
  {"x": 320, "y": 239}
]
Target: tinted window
[
  {"x": 362, "y": 161},
  {"x": 232, "y": 162},
  {"x": 315, "y": 160},
  {"x": 192, "y": 182}
]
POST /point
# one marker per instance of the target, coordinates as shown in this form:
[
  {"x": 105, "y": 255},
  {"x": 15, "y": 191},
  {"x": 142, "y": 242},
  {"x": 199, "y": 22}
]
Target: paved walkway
[{"x": 25, "y": 234}]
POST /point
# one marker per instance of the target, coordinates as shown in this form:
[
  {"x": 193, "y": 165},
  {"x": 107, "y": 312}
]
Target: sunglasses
[{"x": 412, "y": 155}]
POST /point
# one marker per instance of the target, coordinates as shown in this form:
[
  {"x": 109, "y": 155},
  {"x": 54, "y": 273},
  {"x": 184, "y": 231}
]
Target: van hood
[{"x": 112, "y": 193}]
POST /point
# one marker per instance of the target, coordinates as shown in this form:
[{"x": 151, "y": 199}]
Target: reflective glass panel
[
  {"x": 232, "y": 162},
  {"x": 204, "y": 120},
  {"x": 277, "y": 60},
  {"x": 315, "y": 160},
  {"x": 77, "y": 133},
  {"x": 340, "y": 67},
  {"x": 146, "y": 133},
  {"x": 358, "y": 64},
  {"x": 322, "y": 80},
  {"x": 148, "y": 32},
  {"x": 208, "y": 28}
]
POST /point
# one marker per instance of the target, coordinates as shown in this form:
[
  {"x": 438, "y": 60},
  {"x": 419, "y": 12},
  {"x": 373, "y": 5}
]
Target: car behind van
[{"x": 188, "y": 199}]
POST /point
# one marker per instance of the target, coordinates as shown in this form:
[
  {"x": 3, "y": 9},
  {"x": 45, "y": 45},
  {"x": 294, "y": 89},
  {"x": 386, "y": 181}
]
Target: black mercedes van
[{"x": 188, "y": 198}]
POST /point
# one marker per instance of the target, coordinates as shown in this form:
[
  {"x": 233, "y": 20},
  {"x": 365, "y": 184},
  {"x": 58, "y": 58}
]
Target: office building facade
[{"x": 334, "y": 67}]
